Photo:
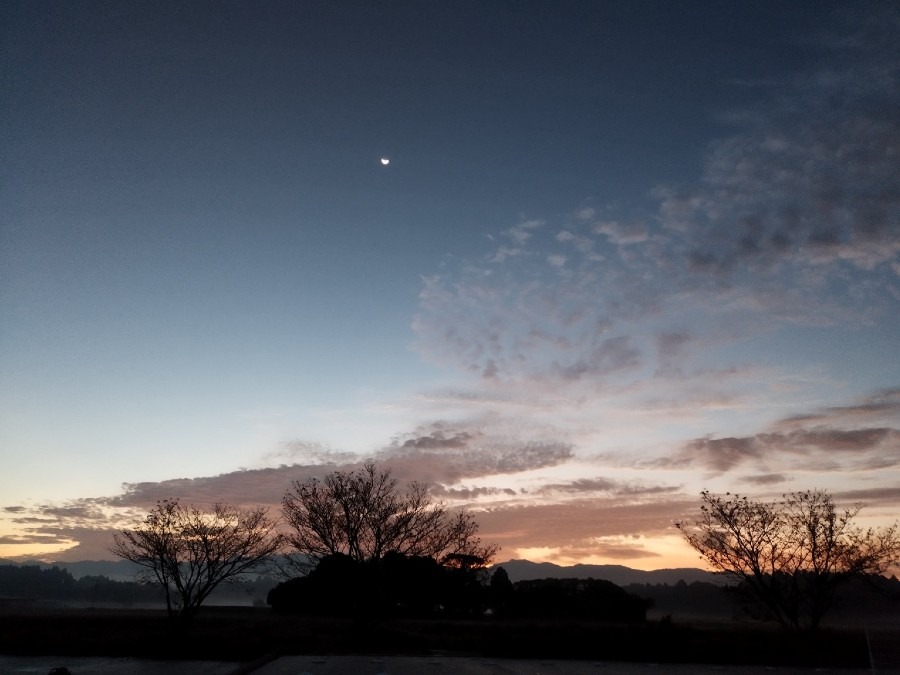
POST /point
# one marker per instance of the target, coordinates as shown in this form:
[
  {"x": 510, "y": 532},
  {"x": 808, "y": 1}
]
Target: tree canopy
[
  {"x": 189, "y": 552},
  {"x": 362, "y": 514},
  {"x": 791, "y": 554}
]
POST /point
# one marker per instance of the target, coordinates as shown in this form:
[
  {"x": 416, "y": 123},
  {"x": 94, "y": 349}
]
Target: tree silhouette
[
  {"x": 393, "y": 586},
  {"x": 189, "y": 552},
  {"x": 592, "y": 599},
  {"x": 501, "y": 590},
  {"x": 361, "y": 514},
  {"x": 790, "y": 554}
]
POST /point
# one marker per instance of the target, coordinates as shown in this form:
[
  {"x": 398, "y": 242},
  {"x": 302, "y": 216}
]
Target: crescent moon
[{"x": 385, "y": 161}]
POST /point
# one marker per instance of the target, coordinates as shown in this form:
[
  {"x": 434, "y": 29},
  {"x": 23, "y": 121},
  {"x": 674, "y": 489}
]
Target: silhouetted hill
[
  {"x": 521, "y": 570},
  {"x": 43, "y": 582},
  {"x": 518, "y": 570},
  {"x": 116, "y": 570}
]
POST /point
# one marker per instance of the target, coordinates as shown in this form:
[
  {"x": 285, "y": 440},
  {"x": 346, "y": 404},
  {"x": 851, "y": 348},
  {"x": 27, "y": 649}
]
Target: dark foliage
[
  {"x": 58, "y": 586},
  {"x": 393, "y": 586},
  {"x": 35, "y": 583},
  {"x": 501, "y": 591},
  {"x": 415, "y": 586},
  {"x": 697, "y": 599},
  {"x": 594, "y": 599},
  {"x": 856, "y": 601}
]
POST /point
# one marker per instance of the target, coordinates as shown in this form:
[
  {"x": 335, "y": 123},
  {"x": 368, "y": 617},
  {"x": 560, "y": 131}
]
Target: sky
[{"x": 622, "y": 252}]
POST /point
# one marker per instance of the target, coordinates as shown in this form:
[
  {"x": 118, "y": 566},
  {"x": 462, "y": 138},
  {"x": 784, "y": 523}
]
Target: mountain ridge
[
  {"x": 517, "y": 569},
  {"x": 522, "y": 570}
]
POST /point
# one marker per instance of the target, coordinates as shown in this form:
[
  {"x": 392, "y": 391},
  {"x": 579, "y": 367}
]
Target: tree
[
  {"x": 393, "y": 586},
  {"x": 362, "y": 514},
  {"x": 501, "y": 591},
  {"x": 593, "y": 599},
  {"x": 791, "y": 554},
  {"x": 189, "y": 552}
]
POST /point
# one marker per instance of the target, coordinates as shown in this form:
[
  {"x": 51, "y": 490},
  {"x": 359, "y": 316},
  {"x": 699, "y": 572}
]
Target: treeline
[
  {"x": 35, "y": 583},
  {"x": 419, "y": 587},
  {"x": 31, "y": 582},
  {"x": 699, "y": 598},
  {"x": 864, "y": 597},
  {"x": 590, "y": 599}
]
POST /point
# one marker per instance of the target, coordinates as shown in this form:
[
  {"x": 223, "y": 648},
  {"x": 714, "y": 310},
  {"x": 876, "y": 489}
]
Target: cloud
[
  {"x": 446, "y": 454},
  {"x": 18, "y": 539},
  {"x": 517, "y": 237},
  {"x": 831, "y": 438},
  {"x": 793, "y": 221},
  {"x": 83, "y": 543},
  {"x": 82, "y": 511},
  {"x": 581, "y": 485},
  {"x": 439, "y": 440},
  {"x": 809, "y": 185},
  {"x": 880, "y": 406},
  {"x": 557, "y": 260},
  {"x": 623, "y": 234},
  {"x": 871, "y": 496},
  {"x": 241, "y": 488},
  {"x": 671, "y": 347},
  {"x": 720, "y": 454},
  {"x": 439, "y": 454},
  {"x": 305, "y": 452},
  {"x": 580, "y": 523},
  {"x": 602, "y": 485},
  {"x": 472, "y": 464},
  {"x": 835, "y": 440},
  {"x": 766, "y": 479},
  {"x": 878, "y": 448},
  {"x": 470, "y": 494}
]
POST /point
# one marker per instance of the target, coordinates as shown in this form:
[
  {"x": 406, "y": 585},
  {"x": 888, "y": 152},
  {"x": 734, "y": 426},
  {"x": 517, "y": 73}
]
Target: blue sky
[{"x": 622, "y": 252}]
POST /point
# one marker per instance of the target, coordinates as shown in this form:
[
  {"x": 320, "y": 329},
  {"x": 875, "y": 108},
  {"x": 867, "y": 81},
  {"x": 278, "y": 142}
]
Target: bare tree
[
  {"x": 189, "y": 552},
  {"x": 361, "y": 514},
  {"x": 791, "y": 554}
]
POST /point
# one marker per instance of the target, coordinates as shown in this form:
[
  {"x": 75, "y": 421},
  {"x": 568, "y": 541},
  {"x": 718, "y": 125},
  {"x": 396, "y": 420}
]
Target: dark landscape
[{"x": 696, "y": 622}]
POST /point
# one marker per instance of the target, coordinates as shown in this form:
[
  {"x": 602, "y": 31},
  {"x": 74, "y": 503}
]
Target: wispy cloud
[
  {"x": 807, "y": 190},
  {"x": 882, "y": 406},
  {"x": 794, "y": 221},
  {"x": 765, "y": 479},
  {"x": 807, "y": 435},
  {"x": 444, "y": 454}
]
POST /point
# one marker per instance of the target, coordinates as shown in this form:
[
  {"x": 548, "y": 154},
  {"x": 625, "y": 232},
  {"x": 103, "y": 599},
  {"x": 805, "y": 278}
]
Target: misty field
[{"x": 247, "y": 634}]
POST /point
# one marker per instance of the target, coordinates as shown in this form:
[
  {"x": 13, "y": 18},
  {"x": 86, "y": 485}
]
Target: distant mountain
[
  {"x": 518, "y": 570},
  {"x": 116, "y": 570},
  {"x": 521, "y": 570}
]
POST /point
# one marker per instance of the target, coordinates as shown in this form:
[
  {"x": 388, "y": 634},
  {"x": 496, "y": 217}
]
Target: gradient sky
[{"x": 623, "y": 252}]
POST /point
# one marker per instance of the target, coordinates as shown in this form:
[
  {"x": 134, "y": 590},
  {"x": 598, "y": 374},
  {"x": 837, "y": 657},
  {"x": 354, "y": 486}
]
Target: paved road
[
  {"x": 412, "y": 665},
  {"x": 391, "y": 665},
  {"x": 42, "y": 665}
]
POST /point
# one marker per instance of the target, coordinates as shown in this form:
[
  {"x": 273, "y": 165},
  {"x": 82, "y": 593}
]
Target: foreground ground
[
  {"x": 223, "y": 640},
  {"x": 394, "y": 665}
]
